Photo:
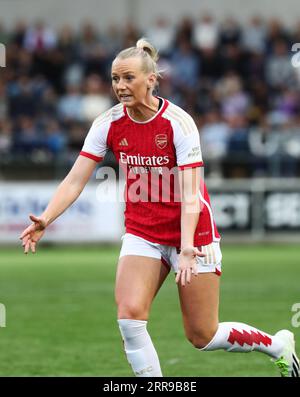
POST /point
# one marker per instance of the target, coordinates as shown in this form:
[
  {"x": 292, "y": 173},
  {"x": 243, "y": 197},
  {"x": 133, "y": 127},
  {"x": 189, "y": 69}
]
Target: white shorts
[{"x": 134, "y": 245}]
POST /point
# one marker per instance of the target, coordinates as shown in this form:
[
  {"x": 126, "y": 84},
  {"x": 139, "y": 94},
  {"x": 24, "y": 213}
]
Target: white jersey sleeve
[
  {"x": 186, "y": 137},
  {"x": 95, "y": 144}
]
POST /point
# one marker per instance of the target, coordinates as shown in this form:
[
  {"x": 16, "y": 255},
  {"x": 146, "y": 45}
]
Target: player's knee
[
  {"x": 132, "y": 311},
  {"x": 201, "y": 337}
]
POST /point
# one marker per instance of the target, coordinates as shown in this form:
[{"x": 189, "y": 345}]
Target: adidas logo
[{"x": 123, "y": 142}]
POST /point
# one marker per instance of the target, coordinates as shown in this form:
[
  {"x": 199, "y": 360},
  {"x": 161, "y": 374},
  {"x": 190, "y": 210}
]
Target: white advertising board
[{"x": 87, "y": 220}]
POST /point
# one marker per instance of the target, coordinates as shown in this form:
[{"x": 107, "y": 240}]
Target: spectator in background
[
  {"x": 91, "y": 51},
  {"x": 295, "y": 36},
  {"x": 292, "y": 144},
  {"x": 4, "y": 35},
  {"x": 21, "y": 97},
  {"x": 254, "y": 69},
  {"x": 262, "y": 146},
  {"x": 276, "y": 32},
  {"x": 162, "y": 35},
  {"x": 279, "y": 70},
  {"x": 166, "y": 87},
  {"x": 254, "y": 35},
  {"x": 288, "y": 103},
  {"x": 185, "y": 30},
  {"x": 205, "y": 33},
  {"x": 233, "y": 99},
  {"x": 234, "y": 60},
  {"x": 47, "y": 106},
  {"x": 230, "y": 32},
  {"x": 185, "y": 66},
  {"x": 238, "y": 147},
  {"x": 283, "y": 161},
  {"x": 55, "y": 140},
  {"x": 6, "y": 138},
  {"x": 66, "y": 44},
  {"x": 112, "y": 39},
  {"x": 214, "y": 136},
  {"x": 96, "y": 99},
  {"x": 70, "y": 105},
  {"x": 3, "y": 101},
  {"x": 27, "y": 137},
  {"x": 73, "y": 75},
  {"x": 211, "y": 65},
  {"x": 130, "y": 34},
  {"x": 76, "y": 135},
  {"x": 24, "y": 63},
  {"x": 259, "y": 105},
  {"x": 18, "y": 33},
  {"x": 87, "y": 40},
  {"x": 39, "y": 38},
  {"x": 206, "y": 38}
]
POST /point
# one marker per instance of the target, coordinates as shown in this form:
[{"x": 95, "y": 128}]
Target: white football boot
[{"x": 288, "y": 362}]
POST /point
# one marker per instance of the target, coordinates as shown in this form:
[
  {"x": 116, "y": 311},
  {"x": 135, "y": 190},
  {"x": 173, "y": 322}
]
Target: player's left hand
[
  {"x": 187, "y": 264},
  {"x": 33, "y": 233}
]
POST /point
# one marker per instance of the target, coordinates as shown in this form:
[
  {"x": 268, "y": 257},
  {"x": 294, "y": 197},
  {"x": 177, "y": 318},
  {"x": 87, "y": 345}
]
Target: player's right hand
[
  {"x": 187, "y": 265},
  {"x": 33, "y": 233}
]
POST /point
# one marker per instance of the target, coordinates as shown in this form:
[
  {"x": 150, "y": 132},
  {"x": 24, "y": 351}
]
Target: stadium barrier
[
  {"x": 256, "y": 210},
  {"x": 86, "y": 220},
  {"x": 245, "y": 210}
]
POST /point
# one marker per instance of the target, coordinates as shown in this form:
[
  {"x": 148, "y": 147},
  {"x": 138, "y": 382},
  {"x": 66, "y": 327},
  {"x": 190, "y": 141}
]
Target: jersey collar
[{"x": 161, "y": 110}]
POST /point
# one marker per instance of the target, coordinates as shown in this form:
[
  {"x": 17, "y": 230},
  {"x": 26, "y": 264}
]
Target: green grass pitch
[{"x": 61, "y": 316}]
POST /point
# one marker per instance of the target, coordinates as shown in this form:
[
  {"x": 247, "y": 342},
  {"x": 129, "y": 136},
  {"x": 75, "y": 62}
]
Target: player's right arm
[
  {"x": 67, "y": 192},
  {"x": 93, "y": 151}
]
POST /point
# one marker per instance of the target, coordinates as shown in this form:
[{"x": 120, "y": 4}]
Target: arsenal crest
[{"x": 161, "y": 141}]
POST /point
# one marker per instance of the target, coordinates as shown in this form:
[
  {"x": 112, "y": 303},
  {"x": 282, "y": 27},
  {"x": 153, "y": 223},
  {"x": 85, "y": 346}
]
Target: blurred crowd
[{"x": 236, "y": 80}]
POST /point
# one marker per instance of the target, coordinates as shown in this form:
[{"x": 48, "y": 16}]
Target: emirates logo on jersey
[
  {"x": 161, "y": 141},
  {"x": 152, "y": 161}
]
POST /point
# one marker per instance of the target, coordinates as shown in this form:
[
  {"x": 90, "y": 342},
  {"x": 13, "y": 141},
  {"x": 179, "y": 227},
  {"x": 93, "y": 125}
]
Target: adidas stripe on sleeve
[
  {"x": 95, "y": 144},
  {"x": 186, "y": 138}
]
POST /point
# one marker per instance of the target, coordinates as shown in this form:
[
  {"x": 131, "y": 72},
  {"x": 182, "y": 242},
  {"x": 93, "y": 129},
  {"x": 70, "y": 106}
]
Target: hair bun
[{"x": 144, "y": 45}]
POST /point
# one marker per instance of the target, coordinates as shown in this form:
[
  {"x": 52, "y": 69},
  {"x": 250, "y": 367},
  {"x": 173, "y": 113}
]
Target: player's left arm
[
  {"x": 189, "y": 161},
  {"x": 189, "y": 182}
]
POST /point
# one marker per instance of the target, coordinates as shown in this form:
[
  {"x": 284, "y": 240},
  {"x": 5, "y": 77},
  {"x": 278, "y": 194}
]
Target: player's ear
[{"x": 151, "y": 81}]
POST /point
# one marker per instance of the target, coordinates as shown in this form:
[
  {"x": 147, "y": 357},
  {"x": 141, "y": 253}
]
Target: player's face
[{"x": 130, "y": 83}]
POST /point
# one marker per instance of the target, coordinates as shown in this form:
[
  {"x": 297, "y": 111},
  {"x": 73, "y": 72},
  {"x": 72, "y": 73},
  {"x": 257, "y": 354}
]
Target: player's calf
[
  {"x": 239, "y": 337},
  {"x": 139, "y": 348},
  {"x": 201, "y": 337}
]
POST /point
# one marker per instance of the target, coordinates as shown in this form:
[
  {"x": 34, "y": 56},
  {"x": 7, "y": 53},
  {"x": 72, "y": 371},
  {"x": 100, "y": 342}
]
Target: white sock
[
  {"x": 239, "y": 337},
  {"x": 139, "y": 348}
]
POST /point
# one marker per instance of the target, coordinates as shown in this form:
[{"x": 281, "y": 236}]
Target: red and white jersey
[{"x": 149, "y": 152}]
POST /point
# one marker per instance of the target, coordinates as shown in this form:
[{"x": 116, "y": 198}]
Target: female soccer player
[{"x": 157, "y": 144}]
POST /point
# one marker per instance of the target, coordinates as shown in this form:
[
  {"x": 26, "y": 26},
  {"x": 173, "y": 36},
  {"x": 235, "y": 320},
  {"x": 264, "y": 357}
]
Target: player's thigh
[
  {"x": 138, "y": 280},
  {"x": 199, "y": 302}
]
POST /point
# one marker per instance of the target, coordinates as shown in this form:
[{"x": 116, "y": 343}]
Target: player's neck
[{"x": 145, "y": 111}]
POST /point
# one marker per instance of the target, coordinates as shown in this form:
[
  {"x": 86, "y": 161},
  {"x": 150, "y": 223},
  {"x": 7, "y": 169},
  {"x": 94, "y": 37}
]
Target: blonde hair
[{"x": 148, "y": 54}]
